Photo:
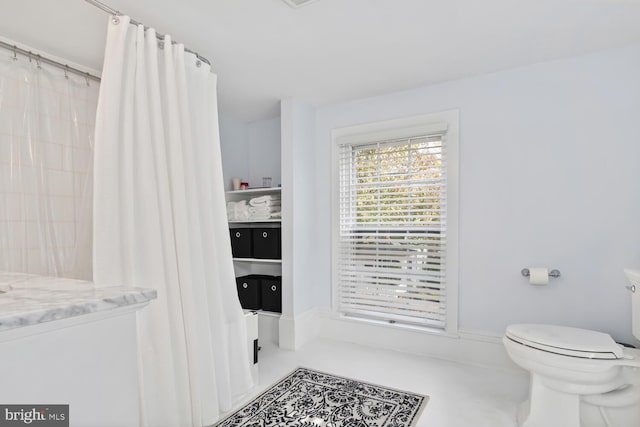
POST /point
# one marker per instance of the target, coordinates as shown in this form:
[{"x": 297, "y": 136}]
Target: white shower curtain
[{"x": 160, "y": 222}]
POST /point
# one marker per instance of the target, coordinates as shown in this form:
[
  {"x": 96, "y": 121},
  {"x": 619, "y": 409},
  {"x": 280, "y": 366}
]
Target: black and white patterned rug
[{"x": 307, "y": 398}]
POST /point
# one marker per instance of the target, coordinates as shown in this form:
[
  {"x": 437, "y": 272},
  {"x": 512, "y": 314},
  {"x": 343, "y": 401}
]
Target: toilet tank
[{"x": 634, "y": 279}]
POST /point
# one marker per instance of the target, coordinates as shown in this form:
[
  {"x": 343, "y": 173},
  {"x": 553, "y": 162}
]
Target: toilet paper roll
[{"x": 538, "y": 276}]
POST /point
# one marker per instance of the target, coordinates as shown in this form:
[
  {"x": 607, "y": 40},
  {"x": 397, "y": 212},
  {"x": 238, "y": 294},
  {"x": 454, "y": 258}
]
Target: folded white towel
[
  {"x": 266, "y": 203},
  {"x": 263, "y": 212},
  {"x": 259, "y": 216},
  {"x": 264, "y": 209},
  {"x": 239, "y": 216},
  {"x": 237, "y": 205},
  {"x": 238, "y": 211},
  {"x": 268, "y": 200},
  {"x": 257, "y": 209}
]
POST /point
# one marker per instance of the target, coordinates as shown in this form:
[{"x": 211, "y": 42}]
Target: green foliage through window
[{"x": 393, "y": 230}]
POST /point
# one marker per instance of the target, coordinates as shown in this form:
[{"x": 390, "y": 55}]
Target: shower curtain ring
[
  {"x": 15, "y": 53},
  {"x": 115, "y": 20},
  {"x": 86, "y": 78},
  {"x": 66, "y": 72},
  {"x": 38, "y": 62}
]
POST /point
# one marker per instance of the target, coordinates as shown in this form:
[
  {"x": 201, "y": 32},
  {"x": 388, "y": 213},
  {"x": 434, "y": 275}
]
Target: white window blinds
[{"x": 392, "y": 230}]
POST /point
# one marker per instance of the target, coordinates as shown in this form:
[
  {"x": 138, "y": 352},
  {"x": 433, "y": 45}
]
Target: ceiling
[{"x": 336, "y": 50}]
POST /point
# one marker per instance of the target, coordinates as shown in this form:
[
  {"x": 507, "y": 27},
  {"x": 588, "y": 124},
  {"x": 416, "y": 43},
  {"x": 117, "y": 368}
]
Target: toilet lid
[{"x": 566, "y": 341}]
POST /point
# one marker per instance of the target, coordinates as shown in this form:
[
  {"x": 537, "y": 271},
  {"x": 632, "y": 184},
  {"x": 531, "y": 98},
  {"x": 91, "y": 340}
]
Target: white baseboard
[
  {"x": 466, "y": 346},
  {"x": 287, "y": 332},
  {"x": 296, "y": 331}
]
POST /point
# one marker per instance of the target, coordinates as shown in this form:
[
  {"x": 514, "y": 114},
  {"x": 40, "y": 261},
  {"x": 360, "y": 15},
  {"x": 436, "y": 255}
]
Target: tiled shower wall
[{"x": 46, "y": 152}]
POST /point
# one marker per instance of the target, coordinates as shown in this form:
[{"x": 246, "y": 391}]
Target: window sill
[{"x": 407, "y": 327}]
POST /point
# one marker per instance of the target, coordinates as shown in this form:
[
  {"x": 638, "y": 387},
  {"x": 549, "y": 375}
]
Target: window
[{"x": 394, "y": 250}]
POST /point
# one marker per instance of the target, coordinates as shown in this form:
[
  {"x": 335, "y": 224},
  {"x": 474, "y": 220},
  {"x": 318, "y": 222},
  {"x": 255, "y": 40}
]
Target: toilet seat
[{"x": 566, "y": 341}]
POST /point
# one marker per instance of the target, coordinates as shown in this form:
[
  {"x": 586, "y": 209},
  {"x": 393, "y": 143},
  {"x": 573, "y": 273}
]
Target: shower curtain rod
[
  {"x": 39, "y": 58},
  {"x": 160, "y": 36}
]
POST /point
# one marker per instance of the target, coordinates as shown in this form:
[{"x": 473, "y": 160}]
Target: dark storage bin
[
  {"x": 271, "y": 289},
  {"x": 241, "y": 242},
  {"x": 249, "y": 292},
  {"x": 266, "y": 243}
]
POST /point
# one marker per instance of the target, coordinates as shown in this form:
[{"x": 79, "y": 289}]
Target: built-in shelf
[
  {"x": 257, "y": 265},
  {"x": 256, "y": 191},
  {"x": 267, "y": 261},
  {"x": 265, "y": 313},
  {"x": 255, "y": 221}
]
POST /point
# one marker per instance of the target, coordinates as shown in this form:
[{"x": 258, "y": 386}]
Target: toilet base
[
  {"x": 589, "y": 415},
  {"x": 571, "y": 387},
  {"x": 593, "y": 416},
  {"x": 548, "y": 407}
]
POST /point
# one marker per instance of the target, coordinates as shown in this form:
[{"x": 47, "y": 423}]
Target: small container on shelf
[
  {"x": 266, "y": 243},
  {"x": 249, "y": 292},
  {"x": 271, "y": 290},
  {"x": 236, "y": 183},
  {"x": 241, "y": 246}
]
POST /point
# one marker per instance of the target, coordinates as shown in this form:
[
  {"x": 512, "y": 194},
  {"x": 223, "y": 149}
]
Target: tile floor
[{"x": 461, "y": 395}]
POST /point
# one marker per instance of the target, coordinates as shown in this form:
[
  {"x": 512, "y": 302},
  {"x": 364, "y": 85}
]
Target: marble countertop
[{"x": 27, "y": 299}]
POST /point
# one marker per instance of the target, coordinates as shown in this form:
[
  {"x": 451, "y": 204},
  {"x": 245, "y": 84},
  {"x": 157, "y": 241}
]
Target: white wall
[
  {"x": 549, "y": 177},
  {"x": 299, "y": 219},
  {"x": 250, "y": 150},
  {"x": 234, "y": 148},
  {"x": 264, "y": 151},
  {"x": 299, "y": 198}
]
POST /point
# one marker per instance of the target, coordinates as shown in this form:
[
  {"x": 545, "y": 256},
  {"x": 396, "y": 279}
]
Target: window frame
[{"x": 447, "y": 121}]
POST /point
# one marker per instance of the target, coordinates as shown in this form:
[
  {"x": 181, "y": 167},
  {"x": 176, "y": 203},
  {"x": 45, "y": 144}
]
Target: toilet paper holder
[{"x": 552, "y": 273}]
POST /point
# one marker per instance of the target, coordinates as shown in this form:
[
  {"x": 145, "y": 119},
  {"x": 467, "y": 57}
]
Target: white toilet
[{"x": 579, "y": 378}]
